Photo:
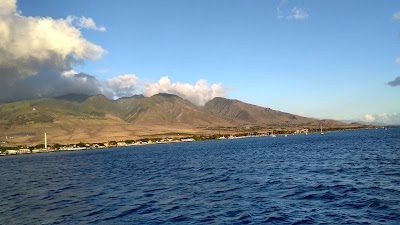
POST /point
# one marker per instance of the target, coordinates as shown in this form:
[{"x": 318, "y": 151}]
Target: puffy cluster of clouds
[
  {"x": 369, "y": 118},
  {"x": 129, "y": 84},
  {"x": 296, "y": 13},
  {"x": 385, "y": 118},
  {"x": 83, "y": 22},
  {"x": 37, "y": 51},
  {"x": 121, "y": 86},
  {"x": 8, "y": 7},
  {"x": 38, "y": 55},
  {"x": 199, "y": 93}
]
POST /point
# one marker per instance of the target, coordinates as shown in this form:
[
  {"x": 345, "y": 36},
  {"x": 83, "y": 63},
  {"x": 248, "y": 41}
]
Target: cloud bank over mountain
[
  {"x": 121, "y": 86},
  {"x": 385, "y": 118},
  {"x": 37, "y": 51},
  {"x": 199, "y": 93},
  {"x": 38, "y": 55}
]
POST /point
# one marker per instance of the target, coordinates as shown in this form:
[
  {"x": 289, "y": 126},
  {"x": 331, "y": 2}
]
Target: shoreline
[{"x": 120, "y": 144}]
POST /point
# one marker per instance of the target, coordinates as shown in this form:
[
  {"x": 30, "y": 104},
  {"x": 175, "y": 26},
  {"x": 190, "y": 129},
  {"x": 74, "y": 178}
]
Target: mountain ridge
[{"x": 95, "y": 118}]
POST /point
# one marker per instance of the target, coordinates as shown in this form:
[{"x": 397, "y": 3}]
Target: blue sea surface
[{"x": 349, "y": 177}]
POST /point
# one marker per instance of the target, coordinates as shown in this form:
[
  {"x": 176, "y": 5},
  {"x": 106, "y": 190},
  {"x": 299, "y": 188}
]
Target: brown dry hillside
[
  {"x": 255, "y": 115},
  {"x": 171, "y": 110},
  {"x": 75, "y": 118}
]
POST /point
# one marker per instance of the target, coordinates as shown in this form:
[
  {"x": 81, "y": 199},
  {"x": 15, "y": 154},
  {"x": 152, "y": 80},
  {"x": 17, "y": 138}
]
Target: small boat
[{"x": 322, "y": 133}]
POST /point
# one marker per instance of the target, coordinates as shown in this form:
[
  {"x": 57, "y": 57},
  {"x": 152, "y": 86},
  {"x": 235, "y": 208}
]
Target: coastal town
[{"x": 46, "y": 148}]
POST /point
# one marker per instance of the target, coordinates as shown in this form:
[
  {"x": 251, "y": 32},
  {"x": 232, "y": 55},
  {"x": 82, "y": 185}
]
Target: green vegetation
[
  {"x": 199, "y": 137},
  {"x": 31, "y": 118},
  {"x": 79, "y": 116},
  {"x": 155, "y": 139},
  {"x": 81, "y": 145},
  {"x": 47, "y": 110},
  {"x": 40, "y": 146},
  {"x": 57, "y": 146},
  {"x": 169, "y": 134},
  {"x": 129, "y": 142}
]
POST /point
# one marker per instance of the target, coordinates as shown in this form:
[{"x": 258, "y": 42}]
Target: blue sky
[{"x": 324, "y": 59}]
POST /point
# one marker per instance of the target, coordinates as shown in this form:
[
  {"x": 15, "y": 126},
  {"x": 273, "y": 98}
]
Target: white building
[{"x": 11, "y": 152}]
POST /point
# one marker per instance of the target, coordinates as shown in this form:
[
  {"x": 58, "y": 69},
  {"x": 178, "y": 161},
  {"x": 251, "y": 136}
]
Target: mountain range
[{"x": 73, "y": 118}]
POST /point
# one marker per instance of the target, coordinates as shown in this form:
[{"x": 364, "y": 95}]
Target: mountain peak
[
  {"x": 165, "y": 95},
  {"x": 130, "y": 97},
  {"x": 252, "y": 114},
  {"x": 72, "y": 117}
]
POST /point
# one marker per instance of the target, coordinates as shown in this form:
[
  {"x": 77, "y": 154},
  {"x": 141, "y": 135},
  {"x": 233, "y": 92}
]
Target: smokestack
[{"x": 45, "y": 141}]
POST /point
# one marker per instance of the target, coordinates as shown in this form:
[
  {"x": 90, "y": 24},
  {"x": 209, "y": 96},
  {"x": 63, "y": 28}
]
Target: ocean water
[{"x": 350, "y": 177}]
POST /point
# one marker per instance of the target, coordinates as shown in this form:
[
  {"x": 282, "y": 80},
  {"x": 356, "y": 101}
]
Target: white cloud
[
  {"x": 285, "y": 10},
  {"x": 8, "y": 7},
  {"x": 298, "y": 14},
  {"x": 386, "y": 118},
  {"x": 396, "y": 15},
  {"x": 40, "y": 47},
  {"x": 69, "y": 73},
  {"x": 87, "y": 23},
  {"x": 383, "y": 116},
  {"x": 369, "y": 118},
  {"x": 199, "y": 93},
  {"x": 397, "y": 60},
  {"x": 28, "y": 42},
  {"x": 38, "y": 55},
  {"x": 122, "y": 86}
]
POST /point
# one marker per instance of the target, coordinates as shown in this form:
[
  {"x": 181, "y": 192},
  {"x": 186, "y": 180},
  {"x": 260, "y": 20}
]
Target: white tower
[{"x": 45, "y": 141}]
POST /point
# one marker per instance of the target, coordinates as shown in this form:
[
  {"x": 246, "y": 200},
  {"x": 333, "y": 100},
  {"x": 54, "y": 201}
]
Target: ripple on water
[{"x": 338, "y": 178}]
